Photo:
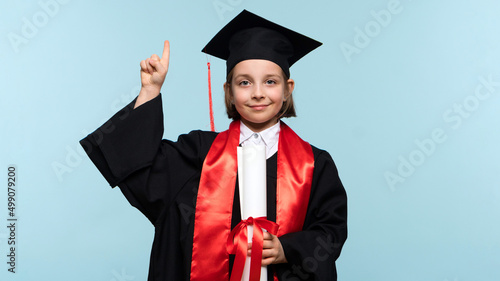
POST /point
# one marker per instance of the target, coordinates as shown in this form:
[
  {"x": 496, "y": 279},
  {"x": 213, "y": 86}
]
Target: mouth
[{"x": 259, "y": 106}]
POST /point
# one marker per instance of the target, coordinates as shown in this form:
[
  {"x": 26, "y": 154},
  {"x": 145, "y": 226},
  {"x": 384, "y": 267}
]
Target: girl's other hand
[{"x": 272, "y": 250}]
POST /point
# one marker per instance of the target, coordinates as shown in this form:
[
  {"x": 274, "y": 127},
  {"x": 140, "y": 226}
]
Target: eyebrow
[
  {"x": 274, "y": 76},
  {"x": 245, "y": 75}
]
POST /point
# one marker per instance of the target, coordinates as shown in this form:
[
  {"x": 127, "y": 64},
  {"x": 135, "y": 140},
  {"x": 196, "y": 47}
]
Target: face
[{"x": 258, "y": 90}]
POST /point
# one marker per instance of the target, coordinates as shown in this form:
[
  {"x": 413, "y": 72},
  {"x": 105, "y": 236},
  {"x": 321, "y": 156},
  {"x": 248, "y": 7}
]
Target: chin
[{"x": 261, "y": 123}]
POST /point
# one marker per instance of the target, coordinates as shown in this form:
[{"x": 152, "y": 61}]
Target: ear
[
  {"x": 227, "y": 88},
  {"x": 290, "y": 85},
  {"x": 227, "y": 92}
]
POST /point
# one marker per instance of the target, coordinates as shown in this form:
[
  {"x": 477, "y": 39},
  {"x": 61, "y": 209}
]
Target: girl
[{"x": 188, "y": 188}]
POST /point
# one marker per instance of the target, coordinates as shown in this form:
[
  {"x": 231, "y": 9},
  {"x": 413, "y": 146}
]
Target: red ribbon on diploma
[{"x": 237, "y": 243}]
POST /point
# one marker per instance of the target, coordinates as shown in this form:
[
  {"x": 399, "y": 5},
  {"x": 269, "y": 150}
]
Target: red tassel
[{"x": 212, "y": 123}]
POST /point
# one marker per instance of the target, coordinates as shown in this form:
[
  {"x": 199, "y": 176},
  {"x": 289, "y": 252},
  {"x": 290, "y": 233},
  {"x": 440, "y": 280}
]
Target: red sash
[{"x": 214, "y": 204}]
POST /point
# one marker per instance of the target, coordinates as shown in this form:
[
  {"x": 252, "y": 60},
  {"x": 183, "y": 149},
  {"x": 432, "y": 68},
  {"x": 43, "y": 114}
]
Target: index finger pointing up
[{"x": 166, "y": 50}]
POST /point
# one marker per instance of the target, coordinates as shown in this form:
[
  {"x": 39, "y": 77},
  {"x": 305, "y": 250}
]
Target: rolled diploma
[{"x": 252, "y": 187}]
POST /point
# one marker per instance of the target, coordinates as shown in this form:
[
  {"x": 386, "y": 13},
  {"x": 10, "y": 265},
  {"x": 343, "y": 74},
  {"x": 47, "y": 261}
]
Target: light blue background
[{"x": 368, "y": 109}]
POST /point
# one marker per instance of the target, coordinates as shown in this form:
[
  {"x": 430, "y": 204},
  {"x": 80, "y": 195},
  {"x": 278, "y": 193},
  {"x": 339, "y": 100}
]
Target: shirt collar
[{"x": 270, "y": 136}]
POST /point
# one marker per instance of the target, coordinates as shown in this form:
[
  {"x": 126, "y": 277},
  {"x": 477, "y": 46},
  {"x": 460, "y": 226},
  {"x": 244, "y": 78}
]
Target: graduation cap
[{"x": 249, "y": 36}]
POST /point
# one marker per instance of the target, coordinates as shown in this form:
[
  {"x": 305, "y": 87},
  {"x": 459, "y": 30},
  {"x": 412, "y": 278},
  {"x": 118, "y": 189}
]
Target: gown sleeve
[
  {"x": 129, "y": 152},
  {"x": 311, "y": 253}
]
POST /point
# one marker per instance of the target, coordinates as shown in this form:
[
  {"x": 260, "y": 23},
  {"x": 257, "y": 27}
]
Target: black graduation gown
[{"x": 161, "y": 178}]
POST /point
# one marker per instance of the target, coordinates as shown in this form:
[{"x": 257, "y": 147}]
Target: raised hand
[{"x": 153, "y": 72}]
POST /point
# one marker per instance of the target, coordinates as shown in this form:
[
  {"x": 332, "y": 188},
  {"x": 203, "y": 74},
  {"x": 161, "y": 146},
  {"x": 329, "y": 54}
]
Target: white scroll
[{"x": 252, "y": 187}]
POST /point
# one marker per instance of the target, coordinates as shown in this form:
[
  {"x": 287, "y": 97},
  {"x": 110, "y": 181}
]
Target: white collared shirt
[{"x": 269, "y": 137}]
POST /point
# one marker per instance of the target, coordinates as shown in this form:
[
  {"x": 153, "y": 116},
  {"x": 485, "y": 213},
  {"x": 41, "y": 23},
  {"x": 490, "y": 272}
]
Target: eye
[
  {"x": 244, "y": 83},
  {"x": 270, "y": 82}
]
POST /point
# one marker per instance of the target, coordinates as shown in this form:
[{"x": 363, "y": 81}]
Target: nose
[{"x": 258, "y": 93}]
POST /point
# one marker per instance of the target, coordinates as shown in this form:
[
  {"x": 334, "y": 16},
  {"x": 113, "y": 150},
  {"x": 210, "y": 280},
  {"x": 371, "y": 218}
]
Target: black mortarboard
[{"x": 249, "y": 36}]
